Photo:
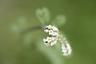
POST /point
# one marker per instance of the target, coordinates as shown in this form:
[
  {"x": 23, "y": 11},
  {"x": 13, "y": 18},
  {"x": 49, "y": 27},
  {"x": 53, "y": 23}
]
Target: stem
[{"x": 33, "y": 28}]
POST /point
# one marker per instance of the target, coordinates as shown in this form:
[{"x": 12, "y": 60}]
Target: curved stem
[{"x": 33, "y": 28}]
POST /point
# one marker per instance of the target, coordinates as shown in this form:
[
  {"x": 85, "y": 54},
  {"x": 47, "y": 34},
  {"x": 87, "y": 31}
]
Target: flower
[
  {"x": 50, "y": 41},
  {"x": 53, "y": 36},
  {"x": 66, "y": 48},
  {"x": 47, "y": 28}
]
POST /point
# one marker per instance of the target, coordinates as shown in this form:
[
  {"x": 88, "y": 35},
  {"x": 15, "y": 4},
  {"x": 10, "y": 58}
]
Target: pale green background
[{"x": 80, "y": 29}]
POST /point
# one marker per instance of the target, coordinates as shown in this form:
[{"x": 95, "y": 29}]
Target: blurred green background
[{"x": 80, "y": 29}]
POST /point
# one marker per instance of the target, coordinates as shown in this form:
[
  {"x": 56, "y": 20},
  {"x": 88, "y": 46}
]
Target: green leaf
[
  {"x": 19, "y": 25},
  {"x": 59, "y": 21},
  {"x": 14, "y": 28},
  {"x": 43, "y": 15},
  {"x": 21, "y": 22}
]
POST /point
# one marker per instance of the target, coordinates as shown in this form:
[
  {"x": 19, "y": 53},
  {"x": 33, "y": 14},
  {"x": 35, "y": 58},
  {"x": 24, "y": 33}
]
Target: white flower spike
[
  {"x": 66, "y": 49},
  {"x": 51, "y": 40},
  {"x": 54, "y": 36}
]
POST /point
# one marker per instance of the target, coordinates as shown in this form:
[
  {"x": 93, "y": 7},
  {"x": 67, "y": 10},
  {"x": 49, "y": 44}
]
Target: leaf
[
  {"x": 19, "y": 25},
  {"x": 60, "y": 20},
  {"x": 43, "y": 15},
  {"x": 14, "y": 28},
  {"x": 21, "y": 22}
]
